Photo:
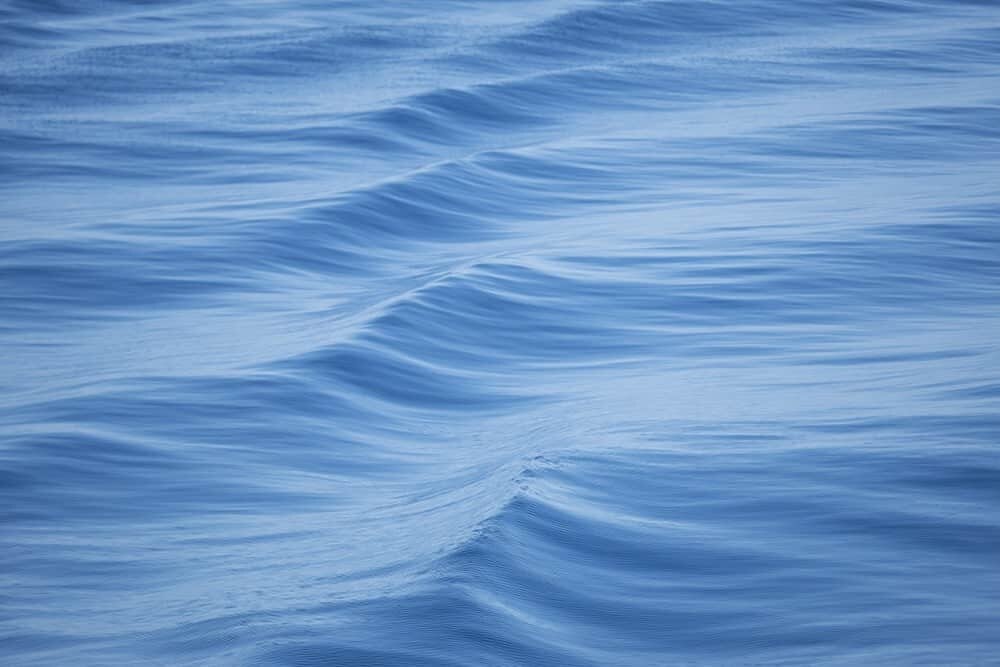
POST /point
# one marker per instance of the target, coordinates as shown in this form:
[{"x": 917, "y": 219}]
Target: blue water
[{"x": 566, "y": 332}]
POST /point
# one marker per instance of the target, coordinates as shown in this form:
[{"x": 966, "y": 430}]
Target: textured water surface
[{"x": 499, "y": 333}]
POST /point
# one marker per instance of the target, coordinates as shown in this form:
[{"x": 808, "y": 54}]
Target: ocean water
[{"x": 564, "y": 332}]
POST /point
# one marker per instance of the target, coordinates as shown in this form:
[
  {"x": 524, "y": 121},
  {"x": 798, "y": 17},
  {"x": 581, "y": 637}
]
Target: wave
[{"x": 501, "y": 333}]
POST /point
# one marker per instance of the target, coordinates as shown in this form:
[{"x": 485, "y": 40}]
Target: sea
[{"x": 499, "y": 333}]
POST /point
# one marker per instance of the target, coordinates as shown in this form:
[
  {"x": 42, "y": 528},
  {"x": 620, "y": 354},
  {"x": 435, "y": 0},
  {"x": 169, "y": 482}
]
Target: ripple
[{"x": 461, "y": 333}]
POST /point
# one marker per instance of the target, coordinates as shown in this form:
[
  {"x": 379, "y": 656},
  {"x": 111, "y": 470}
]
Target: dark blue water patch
[
  {"x": 396, "y": 379},
  {"x": 985, "y": 390},
  {"x": 60, "y": 279}
]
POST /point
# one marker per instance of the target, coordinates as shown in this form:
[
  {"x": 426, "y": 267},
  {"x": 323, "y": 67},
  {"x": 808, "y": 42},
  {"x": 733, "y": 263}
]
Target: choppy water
[{"x": 500, "y": 333}]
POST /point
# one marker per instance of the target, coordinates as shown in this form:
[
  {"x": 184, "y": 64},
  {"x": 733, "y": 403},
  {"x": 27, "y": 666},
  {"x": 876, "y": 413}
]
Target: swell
[
  {"x": 622, "y": 333},
  {"x": 609, "y": 30},
  {"x": 488, "y": 196},
  {"x": 609, "y": 553}
]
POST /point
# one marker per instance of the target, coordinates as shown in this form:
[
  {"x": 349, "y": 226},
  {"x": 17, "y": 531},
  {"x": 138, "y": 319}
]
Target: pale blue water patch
[{"x": 499, "y": 333}]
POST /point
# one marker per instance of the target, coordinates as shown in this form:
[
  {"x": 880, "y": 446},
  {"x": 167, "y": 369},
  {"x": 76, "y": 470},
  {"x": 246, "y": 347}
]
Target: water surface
[{"x": 499, "y": 333}]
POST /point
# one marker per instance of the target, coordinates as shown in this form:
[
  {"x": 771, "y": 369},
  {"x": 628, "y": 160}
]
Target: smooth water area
[{"x": 564, "y": 332}]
